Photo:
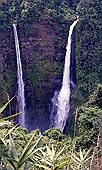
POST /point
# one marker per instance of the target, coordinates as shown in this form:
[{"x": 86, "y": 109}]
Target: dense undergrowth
[
  {"x": 20, "y": 150},
  {"x": 88, "y": 47}
]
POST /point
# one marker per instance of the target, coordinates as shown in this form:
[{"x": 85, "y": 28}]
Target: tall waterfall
[
  {"x": 21, "y": 98},
  {"x": 61, "y": 101}
]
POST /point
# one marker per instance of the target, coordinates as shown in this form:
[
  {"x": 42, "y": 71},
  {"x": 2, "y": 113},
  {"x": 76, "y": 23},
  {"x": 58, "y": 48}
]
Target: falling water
[
  {"x": 61, "y": 103},
  {"x": 21, "y": 98}
]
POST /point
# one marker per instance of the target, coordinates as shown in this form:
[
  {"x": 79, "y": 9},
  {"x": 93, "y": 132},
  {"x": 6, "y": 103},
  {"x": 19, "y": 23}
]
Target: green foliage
[
  {"x": 83, "y": 159},
  {"x": 89, "y": 125},
  {"x": 87, "y": 118},
  {"x": 53, "y": 159},
  {"x": 28, "y": 11},
  {"x": 54, "y": 133},
  {"x": 33, "y": 152},
  {"x": 41, "y": 77},
  {"x": 88, "y": 49},
  {"x": 15, "y": 160},
  {"x": 96, "y": 97},
  {"x": 10, "y": 156},
  {"x": 4, "y": 106}
]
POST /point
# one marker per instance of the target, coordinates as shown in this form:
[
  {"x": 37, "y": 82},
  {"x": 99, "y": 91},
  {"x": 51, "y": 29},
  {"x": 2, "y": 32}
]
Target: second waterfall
[
  {"x": 20, "y": 91},
  {"x": 61, "y": 100}
]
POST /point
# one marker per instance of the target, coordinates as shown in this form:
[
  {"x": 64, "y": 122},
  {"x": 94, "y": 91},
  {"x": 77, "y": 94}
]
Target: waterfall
[
  {"x": 20, "y": 92},
  {"x": 61, "y": 107}
]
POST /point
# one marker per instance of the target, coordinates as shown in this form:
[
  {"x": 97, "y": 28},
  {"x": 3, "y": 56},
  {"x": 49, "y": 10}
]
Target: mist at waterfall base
[
  {"x": 61, "y": 100},
  {"x": 20, "y": 89}
]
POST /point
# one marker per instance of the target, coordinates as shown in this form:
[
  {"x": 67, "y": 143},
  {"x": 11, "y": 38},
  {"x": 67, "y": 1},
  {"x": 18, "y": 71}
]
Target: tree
[
  {"x": 89, "y": 118},
  {"x": 88, "y": 49}
]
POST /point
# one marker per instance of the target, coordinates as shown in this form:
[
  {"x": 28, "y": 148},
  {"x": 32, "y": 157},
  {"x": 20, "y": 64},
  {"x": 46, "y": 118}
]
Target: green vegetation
[
  {"x": 52, "y": 150},
  {"x": 42, "y": 29},
  {"x": 25, "y": 11},
  {"x": 90, "y": 118},
  {"x": 88, "y": 47}
]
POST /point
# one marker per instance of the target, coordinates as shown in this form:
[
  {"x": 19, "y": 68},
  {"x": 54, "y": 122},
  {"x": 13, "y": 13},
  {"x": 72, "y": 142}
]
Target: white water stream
[
  {"x": 62, "y": 103},
  {"x": 20, "y": 91}
]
